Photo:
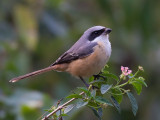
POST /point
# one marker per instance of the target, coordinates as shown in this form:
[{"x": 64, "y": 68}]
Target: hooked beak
[{"x": 108, "y": 30}]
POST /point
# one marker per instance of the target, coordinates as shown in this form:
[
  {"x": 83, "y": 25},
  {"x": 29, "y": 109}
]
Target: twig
[
  {"x": 50, "y": 108},
  {"x": 60, "y": 107}
]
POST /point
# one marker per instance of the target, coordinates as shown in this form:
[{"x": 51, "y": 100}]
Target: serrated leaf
[
  {"x": 74, "y": 96},
  {"x": 81, "y": 103},
  {"x": 117, "y": 94},
  {"x": 133, "y": 103},
  {"x": 137, "y": 86},
  {"x": 105, "y": 88},
  {"x": 112, "y": 76},
  {"x": 68, "y": 108},
  {"x": 116, "y": 104},
  {"x": 103, "y": 100},
  {"x": 96, "y": 113}
]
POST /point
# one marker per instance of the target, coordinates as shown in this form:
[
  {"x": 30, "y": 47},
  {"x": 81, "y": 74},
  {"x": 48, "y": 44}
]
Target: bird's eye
[{"x": 96, "y": 32}]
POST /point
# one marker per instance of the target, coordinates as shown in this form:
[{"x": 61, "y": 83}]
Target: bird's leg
[
  {"x": 87, "y": 85},
  {"x": 99, "y": 76}
]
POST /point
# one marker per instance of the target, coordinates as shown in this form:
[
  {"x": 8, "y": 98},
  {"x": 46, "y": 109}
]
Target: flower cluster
[{"x": 125, "y": 71}]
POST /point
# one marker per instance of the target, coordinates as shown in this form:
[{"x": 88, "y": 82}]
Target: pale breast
[{"x": 92, "y": 64}]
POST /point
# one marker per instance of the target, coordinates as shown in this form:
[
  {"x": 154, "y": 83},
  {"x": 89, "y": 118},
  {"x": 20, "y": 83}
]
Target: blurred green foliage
[{"x": 33, "y": 33}]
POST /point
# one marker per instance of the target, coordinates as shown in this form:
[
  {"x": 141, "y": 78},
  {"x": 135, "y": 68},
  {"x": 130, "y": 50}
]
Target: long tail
[{"x": 32, "y": 74}]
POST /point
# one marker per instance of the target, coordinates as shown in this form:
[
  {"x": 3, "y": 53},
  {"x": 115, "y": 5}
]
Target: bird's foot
[
  {"x": 99, "y": 76},
  {"x": 87, "y": 85}
]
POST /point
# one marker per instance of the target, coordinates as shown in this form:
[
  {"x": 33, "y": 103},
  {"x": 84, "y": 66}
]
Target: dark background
[{"x": 34, "y": 33}]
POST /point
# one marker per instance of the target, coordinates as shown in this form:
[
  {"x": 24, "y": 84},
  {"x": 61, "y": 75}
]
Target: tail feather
[{"x": 32, "y": 74}]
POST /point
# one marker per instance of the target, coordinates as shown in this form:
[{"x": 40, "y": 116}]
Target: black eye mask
[{"x": 95, "y": 34}]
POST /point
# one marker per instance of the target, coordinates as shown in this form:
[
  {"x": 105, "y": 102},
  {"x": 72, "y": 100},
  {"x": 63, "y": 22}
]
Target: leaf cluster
[{"x": 101, "y": 93}]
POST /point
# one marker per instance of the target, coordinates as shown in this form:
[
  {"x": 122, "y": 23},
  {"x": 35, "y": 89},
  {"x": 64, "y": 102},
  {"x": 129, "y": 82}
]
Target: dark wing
[{"x": 74, "y": 54}]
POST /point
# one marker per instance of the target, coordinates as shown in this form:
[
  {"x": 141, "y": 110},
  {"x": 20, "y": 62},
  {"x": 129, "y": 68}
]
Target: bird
[{"x": 86, "y": 58}]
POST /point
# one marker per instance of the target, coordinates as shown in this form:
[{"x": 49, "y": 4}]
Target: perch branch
[{"x": 60, "y": 107}]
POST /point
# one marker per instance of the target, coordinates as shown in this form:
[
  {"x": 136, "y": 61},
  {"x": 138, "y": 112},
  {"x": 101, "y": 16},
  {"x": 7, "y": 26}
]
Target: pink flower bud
[
  {"x": 122, "y": 68},
  {"x": 126, "y": 68},
  {"x": 125, "y": 71},
  {"x": 129, "y": 71}
]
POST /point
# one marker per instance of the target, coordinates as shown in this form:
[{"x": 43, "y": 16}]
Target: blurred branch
[{"x": 60, "y": 107}]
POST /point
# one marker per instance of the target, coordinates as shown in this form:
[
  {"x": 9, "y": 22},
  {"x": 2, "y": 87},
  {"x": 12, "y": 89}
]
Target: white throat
[{"x": 104, "y": 39}]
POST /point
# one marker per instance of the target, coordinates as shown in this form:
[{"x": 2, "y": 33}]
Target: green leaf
[
  {"x": 85, "y": 90},
  {"x": 96, "y": 113},
  {"x": 68, "y": 108},
  {"x": 74, "y": 96},
  {"x": 105, "y": 69},
  {"x": 93, "y": 104},
  {"x": 64, "y": 115},
  {"x": 137, "y": 86},
  {"x": 81, "y": 103},
  {"x": 93, "y": 93},
  {"x": 133, "y": 103},
  {"x": 97, "y": 81},
  {"x": 117, "y": 94},
  {"x": 141, "y": 80},
  {"x": 105, "y": 88},
  {"x": 49, "y": 110},
  {"x": 103, "y": 100},
  {"x": 112, "y": 76},
  {"x": 91, "y": 79},
  {"x": 116, "y": 104}
]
